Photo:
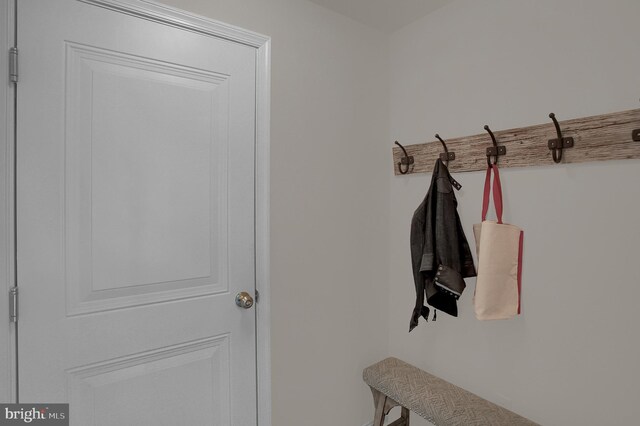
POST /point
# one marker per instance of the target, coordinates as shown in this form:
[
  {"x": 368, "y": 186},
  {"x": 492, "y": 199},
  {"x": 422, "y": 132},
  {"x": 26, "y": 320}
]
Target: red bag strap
[
  {"x": 497, "y": 193},
  {"x": 485, "y": 197}
]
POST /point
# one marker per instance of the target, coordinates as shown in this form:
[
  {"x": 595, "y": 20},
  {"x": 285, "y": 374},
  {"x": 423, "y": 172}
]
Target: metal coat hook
[
  {"x": 407, "y": 160},
  {"x": 495, "y": 150},
  {"x": 557, "y": 145},
  {"x": 446, "y": 155}
]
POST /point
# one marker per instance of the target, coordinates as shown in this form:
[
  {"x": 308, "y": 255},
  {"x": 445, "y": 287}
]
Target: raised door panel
[
  {"x": 179, "y": 385},
  {"x": 145, "y": 180}
]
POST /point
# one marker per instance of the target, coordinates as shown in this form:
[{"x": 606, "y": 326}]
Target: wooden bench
[{"x": 394, "y": 382}]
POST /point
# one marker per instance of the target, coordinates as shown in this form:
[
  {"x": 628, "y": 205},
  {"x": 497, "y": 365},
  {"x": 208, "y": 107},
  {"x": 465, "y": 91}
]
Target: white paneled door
[{"x": 135, "y": 217}]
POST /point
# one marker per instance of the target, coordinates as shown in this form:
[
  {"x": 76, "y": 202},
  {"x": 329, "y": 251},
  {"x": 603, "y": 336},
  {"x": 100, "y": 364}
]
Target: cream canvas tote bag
[{"x": 499, "y": 250}]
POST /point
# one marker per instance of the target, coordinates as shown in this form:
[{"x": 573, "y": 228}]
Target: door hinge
[
  {"x": 13, "y": 304},
  {"x": 13, "y": 64}
]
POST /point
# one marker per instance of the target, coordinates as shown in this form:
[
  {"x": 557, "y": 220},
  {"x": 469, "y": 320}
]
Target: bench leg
[
  {"x": 383, "y": 405},
  {"x": 405, "y": 416},
  {"x": 379, "y": 400},
  {"x": 403, "y": 420}
]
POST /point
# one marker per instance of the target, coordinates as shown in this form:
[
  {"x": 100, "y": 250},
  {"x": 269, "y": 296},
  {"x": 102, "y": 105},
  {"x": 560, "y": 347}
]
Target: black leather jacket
[{"x": 440, "y": 253}]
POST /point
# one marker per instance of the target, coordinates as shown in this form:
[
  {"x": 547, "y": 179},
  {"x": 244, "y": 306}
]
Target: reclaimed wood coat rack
[{"x": 612, "y": 136}]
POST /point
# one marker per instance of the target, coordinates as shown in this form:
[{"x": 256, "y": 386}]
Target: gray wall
[{"x": 572, "y": 357}]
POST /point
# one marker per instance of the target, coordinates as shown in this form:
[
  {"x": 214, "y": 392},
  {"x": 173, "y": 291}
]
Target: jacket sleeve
[
  {"x": 420, "y": 278},
  {"x": 428, "y": 259},
  {"x": 468, "y": 269}
]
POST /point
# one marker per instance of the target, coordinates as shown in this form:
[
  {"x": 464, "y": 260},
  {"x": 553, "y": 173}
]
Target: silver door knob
[{"x": 244, "y": 300}]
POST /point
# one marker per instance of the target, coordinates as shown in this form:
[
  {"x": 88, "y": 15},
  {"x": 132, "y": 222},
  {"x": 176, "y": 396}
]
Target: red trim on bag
[{"x": 520, "y": 270}]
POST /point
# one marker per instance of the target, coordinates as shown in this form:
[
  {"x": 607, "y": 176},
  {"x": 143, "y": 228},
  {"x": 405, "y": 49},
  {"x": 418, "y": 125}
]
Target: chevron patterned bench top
[{"x": 437, "y": 400}]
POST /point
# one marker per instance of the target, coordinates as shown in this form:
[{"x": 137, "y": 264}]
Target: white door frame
[
  {"x": 7, "y": 277},
  {"x": 168, "y": 16}
]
